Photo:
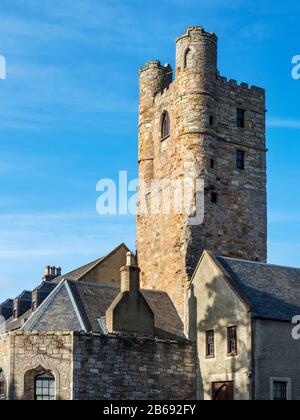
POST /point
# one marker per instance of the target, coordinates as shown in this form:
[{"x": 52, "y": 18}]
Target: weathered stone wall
[
  {"x": 168, "y": 247},
  {"x": 87, "y": 366},
  {"x": 23, "y": 354},
  {"x": 276, "y": 355},
  {"x": 131, "y": 368},
  {"x": 5, "y": 351}
]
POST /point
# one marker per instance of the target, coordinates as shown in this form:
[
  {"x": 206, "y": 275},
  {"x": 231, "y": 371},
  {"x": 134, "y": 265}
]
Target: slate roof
[
  {"x": 272, "y": 290},
  {"x": 92, "y": 301},
  {"x": 79, "y": 272}
]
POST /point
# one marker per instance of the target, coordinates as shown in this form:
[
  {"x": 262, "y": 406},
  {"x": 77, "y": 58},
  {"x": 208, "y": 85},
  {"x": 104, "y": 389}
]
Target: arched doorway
[{"x": 223, "y": 391}]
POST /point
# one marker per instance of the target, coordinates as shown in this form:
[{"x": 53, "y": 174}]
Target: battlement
[
  {"x": 156, "y": 64},
  {"x": 241, "y": 86},
  {"x": 197, "y": 31}
]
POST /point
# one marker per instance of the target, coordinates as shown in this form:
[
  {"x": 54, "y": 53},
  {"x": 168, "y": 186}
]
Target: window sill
[
  {"x": 232, "y": 355},
  {"x": 165, "y": 138},
  {"x": 210, "y": 357}
]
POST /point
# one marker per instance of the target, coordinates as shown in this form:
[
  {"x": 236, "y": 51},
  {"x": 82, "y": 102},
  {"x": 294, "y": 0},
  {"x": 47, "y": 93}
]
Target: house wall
[
  {"x": 21, "y": 353},
  {"x": 276, "y": 355},
  {"x": 213, "y": 305},
  {"x": 132, "y": 368}
]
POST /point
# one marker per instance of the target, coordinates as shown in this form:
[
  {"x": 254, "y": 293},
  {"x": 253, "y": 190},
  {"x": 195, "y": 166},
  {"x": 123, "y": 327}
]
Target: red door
[{"x": 223, "y": 391}]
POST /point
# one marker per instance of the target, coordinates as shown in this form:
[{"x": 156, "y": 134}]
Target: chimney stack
[
  {"x": 130, "y": 312},
  {"x": 130, "y": 275},
  {"x": 51, "y": 272}
]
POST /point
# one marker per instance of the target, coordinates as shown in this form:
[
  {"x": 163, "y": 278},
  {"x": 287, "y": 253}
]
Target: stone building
[
  {"x": 98, "y": 336},
  {"x": 197, "y": 313}
]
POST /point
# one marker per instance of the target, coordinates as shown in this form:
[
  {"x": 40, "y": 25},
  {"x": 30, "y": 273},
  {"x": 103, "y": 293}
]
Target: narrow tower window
[
  {"x": 240, "y": 118},
  {"x": 187, "y": 58},
  {"x": 211, "y": 121},
  {"x": 240, "y": 159},
  {"x": 165, "y": 125},
  {"x": 214, "y": 197}
]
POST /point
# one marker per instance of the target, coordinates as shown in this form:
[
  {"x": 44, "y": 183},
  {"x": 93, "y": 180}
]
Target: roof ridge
[
  {"x": 258, "y": 263},
  {"x": 112, "y": 286},
  {"x": 105, "y": 257},
  {"x": 89, "y": 266},
  {"x": 155, "y": 291},
  {"x": 89, "y": 283}
]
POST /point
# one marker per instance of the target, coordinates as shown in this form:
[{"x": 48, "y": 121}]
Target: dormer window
[{"x": 165, "y": 125}]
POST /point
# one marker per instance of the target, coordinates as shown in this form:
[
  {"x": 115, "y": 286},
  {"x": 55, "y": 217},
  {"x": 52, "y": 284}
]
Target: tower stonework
[{"x": 217, "y": 134}]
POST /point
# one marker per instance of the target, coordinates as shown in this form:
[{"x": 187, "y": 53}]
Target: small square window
[
  {"x": 240, "y": 118},
  {"x": 279, "y": 391},
  {"x": 214, "y": 197},
  {"x": 240, "y": 159}
]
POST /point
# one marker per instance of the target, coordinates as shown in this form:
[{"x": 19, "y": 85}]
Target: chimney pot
[{"x": 130, "y": 260}]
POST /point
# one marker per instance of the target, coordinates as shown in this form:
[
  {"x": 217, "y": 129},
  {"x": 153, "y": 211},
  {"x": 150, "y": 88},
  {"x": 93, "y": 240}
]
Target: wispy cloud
[
  {"x": 283, "y": 123},
  {"x": 5, "y": 167},
  {"x": 58, "y": 234},
  {"x": 284, "y": 253},
  {"x": 284, "y": 217},
  {"x": 4, "y": 281},
  {"x": 255, "y": 32},
  {"x": 8, "y": 202}
]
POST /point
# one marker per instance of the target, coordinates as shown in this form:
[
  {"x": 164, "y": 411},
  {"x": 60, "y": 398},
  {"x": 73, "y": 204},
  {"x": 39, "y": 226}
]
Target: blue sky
[{"x": 68, "y": 117}]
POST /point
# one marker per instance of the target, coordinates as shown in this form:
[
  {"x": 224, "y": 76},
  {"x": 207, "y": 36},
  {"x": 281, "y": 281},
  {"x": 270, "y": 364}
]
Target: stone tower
[{"x": 200, "y": 126}]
